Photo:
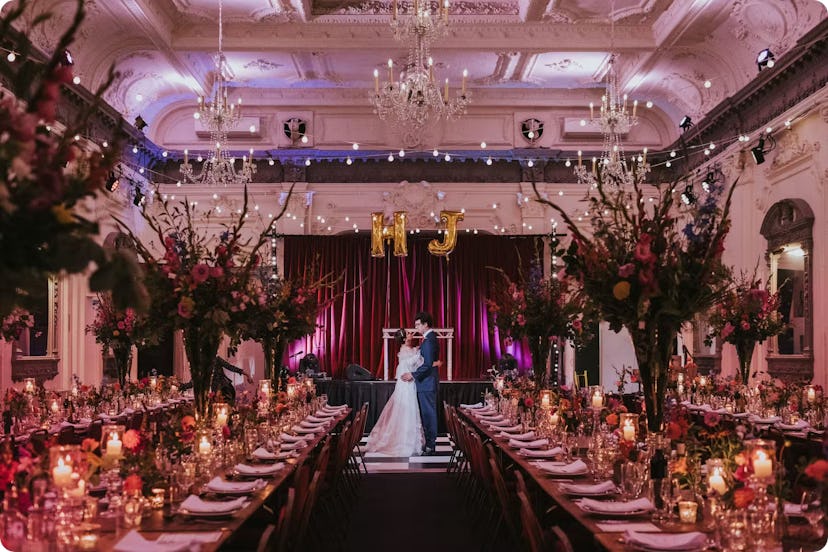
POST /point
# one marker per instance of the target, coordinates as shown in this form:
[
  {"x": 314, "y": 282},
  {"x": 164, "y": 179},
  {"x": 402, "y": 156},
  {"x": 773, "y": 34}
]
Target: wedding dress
[{"x": 399, "y": 430}]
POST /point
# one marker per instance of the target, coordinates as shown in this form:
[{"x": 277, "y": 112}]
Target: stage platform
[{"x": 376, "y": 393}]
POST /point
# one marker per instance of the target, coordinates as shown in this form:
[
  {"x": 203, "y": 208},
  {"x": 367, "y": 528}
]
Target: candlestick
[
  {"x": 186, "y": 156},
  {"x": 445, "y": 94},
  {"x": 687, "y": 511},
  {"x": 594, "y": 161},
  {"x": 204, "y": 446},
  {"x": 597, "y": 400},
  {"x": 445, "y": 10},
  {"x": 628, "y": 432},
  {"x": 114, "y": 445},
  {"x": 465, "y": 74},
  {"x": 591, "y": 111},
  {"x": 762, "y": 465},
  {"x": 635, "y": 106},
  {"x": 579, "y": 158},
  {"x": 395, "y": 10},
  {"x": 717, "y": 483},
  {"x": 376, "y": 78},
  {"x": 390, "y": 71},
  {"x": 644, "y": 159},
  {"x": 62, "y": 474}
]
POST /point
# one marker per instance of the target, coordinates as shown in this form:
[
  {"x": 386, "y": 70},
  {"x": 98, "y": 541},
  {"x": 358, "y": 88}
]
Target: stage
[{"x": 376, "y": 393}]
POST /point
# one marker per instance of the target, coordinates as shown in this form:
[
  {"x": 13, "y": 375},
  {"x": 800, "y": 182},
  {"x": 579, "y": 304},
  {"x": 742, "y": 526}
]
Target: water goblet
[{"x": 811, "y": 504}]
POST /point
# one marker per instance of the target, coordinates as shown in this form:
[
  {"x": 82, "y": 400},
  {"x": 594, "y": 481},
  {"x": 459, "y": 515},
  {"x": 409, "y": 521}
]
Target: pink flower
[
  {"x": 643, "y": 253},
  {"x": 745, "y": 325},
  {"x": 727, "y": 330},
  {"x": 200, "y": 273},
  {"x": 627, "y": 270},
  {"x": 216, "y": 272},
  {"x": 577, "y": 325},
  {"x": 711, "y": 419},
  {"x": 521, "y": 320}
]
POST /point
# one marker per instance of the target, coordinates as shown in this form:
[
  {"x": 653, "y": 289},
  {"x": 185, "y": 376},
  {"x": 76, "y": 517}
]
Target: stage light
[
  {"x": 112, "y": 183},
  {"x": 138, "y": 200},
  {"x": 685, "y": 123},
  {"x": 140, "y": 123},
  {"x": 765, "y": 59},
  {"x": 66, "y": 59},
  {"x": 759, "y": 150},
  {"x": 687, "y": 196}
]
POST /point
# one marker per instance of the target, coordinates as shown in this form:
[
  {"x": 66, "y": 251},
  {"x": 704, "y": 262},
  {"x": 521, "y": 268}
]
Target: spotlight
[
  {"x": 687, "y": 196},
  {"x": 765, "y": 59},
  {"x": 709, "y": 179},
  {"x": 759, "y": 150},
  {"x": 140, "y": 123},
  {"x": 66, "y": 59},
  {"x": 685, "y": 123},
  {"x": 138, "y": 200},
  {"x": 112, "y": 183}
]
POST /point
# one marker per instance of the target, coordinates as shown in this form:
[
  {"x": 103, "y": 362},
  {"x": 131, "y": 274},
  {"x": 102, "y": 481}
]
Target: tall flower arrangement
[
  {"x": 14, "y": 323},
  {"x": 649, "y": 267},
  {"x": 540, "y": 309},
  {"x": 202, "y": 284},
  {"x": 114, "y": 329},
  {"x": 288, "y": 312},
  {"x": 45, "y": 176},
  {"x": 747, "y": 313}
]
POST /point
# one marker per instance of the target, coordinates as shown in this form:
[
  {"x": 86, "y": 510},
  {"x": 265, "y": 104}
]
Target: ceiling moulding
[
  {"x": 798, "y": 74},
  {"x": 493, "y": 36}
]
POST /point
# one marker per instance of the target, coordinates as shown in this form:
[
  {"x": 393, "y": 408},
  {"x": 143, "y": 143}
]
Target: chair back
[
  {"x": 582, "y": 377},
  {"x": 282, "y": 534},
  {"x": 531, "y": 527},
  {"x": 559, "y": 541}
]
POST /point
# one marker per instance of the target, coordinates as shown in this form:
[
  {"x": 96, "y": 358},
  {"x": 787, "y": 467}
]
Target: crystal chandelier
[
  {"x": 614, "y": 119},
  {"x": 220, "y": 116},
  {"x": 416, "y": 99}
]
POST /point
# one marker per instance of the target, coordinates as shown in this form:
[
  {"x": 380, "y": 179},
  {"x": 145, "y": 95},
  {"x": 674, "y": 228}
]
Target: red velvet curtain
[{"x": 388, "y": 292}]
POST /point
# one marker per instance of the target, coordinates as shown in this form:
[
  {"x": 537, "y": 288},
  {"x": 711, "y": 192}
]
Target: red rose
[
  {"x": 133, "y": 483},
  {"x": 528, "y": 402},
  {"x": 818, "y": 470}
]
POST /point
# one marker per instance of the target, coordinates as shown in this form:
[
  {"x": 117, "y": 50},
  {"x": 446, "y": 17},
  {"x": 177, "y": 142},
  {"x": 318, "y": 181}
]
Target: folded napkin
[
  {"x": 511, "y": 429},
  {"x": 321, "y": 414},
  {"x": 305, "y": 430},
  {"x": 490, "y": 419},
  {"x": 488, "y": 411},
  {"x": 268, "y": 469},
  {"x": 529, "y": 445},
  {"x": 529, "y": 435},
  {"x": 722, "y": 410},
  {"x": 195, "y": 505},
  {"x": 318, "y": 426},
  {"x": 475, "y": 405},
  {"x": 588, "y": 488},
  {"x": 263, "y": 454},
  {"x": 314, "y": 420},
  {"x": 667, "y": 541},
  {"x": 134, "y": 542},
  {"x": 542, "y": 453},
  {"x": 799, "y": 424},
  {"x": 217, "y": 484},
  {"x": 287, "y": 438},
  {"x": 615, "y": 507},
  {"x": 334, "y": 409},
  {"x": 741, "y": 414},
  {"x": 294, "y": 446},
  {"x": 768, "y": 420},
  {"x": 575, "y": 468},
  {"x": 501, "y": 424}
]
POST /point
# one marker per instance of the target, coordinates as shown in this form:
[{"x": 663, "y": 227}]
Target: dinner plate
[
  {"x": 602, "y": 513},
  {"x": 642, "y": 548},
  {"x": 211, "y": 515}
]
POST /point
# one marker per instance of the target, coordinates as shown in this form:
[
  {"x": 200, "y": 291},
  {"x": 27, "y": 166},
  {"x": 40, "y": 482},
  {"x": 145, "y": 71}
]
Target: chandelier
[
  {"x": 416, "y": 99},
  {"x": 220, "y": 116},
  {"x": 614, "y": 119}
]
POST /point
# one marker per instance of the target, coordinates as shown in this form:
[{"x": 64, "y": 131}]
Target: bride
[{"x": 399, "y": 430}]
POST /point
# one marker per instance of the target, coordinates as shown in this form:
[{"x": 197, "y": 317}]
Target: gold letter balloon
[
  {"x": 380, "y": 233},
  {"x": 445, "y": 247}
]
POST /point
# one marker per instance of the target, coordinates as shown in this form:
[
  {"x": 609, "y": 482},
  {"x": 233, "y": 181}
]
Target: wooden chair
[
  {"x": 583, "y": 376},
  {"x": 532, "y": 531},
  {"x": 507, "y": 510}
]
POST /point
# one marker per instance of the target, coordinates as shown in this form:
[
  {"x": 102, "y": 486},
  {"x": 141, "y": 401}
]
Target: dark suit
[{"x": 427, "y": 379}]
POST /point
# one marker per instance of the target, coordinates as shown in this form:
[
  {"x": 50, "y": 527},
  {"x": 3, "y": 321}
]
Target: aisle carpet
[
  {"x": 401, "y": 512},
  {"x": 375, "y": 462}
]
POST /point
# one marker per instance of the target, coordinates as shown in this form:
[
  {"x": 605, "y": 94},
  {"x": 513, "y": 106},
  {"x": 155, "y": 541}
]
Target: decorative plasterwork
[
  {"x": 418, "y": 199},
  {"x": 376, "y": 7},
  {"x": 790, "y": 149}
]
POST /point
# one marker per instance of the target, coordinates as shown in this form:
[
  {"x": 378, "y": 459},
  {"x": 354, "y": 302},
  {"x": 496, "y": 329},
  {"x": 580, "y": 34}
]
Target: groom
[{"x": 427, "y": 379}]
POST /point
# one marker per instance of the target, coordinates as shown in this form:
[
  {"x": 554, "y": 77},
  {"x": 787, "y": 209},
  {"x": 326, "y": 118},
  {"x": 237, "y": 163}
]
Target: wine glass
[
  {"x": 631, "y": 479},
  {"x": 812, "y": 510}
]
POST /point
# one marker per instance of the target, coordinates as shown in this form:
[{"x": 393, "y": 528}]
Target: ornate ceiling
[{"x": 315, "y": 58}]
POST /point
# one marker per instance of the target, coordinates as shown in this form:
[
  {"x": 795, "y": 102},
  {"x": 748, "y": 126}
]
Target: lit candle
[
  {"x": 291, "y": 391},
  {"x": 74, "y": 390},
  {"x": 554, "y": 419},
  {"x": 390, "y": 70},
  {"x": 465, "y": 75},
  {"x": 628, "y": 431},
  {"x": 498, "y": 384},
  {"x": 811, "y": 394},
  {"x": 114, "y": 445},
  {"x": 430, "y": 70},
  {"x": 55, "y": 406},
  {"x": 717, "y": 483},
  {"x": 221, "y": 417},
  {"x": 594, "y": 161},
  {"x": 545, "y": 400},
  {"x": 644, "y": 160},
  {"x": 62, "y": 474},
  {"x": 204, "y": 446},
  {"x": 376, "y": 79},
  {"x": 157, "y": 499},
  {"x": 78, "y": 491},
  {"x": 762, "y": 465},
  {"x": 703, "y": 381},
  {"x": 687, "y": 511},
  {"x": 88, "y": 541},
  {"x": 28, "y": 387},
  {"x": 579, "y": 158},
  {"x": 597, "y": 400},
  {"x": 635, "y": 106},
  {"x": 680, "y": 378},
  {"x": 680, "y": 388},
  {"x": 186, "y": 156},
  {"x": 153, "y": 382},
  {"x": 445, "y": 94},
  {"x": 591, "y": 111},
  {"x": 445, "y": 10}
]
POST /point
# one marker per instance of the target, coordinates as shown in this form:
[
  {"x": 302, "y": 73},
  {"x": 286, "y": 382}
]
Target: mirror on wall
[
  {"x": 35, "y": 353},
  {"x": 788, "y": 228}
]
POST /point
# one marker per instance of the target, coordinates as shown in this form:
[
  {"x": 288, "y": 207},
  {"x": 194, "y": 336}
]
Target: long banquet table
[
  {"x": 157, "y": 523},
  {"x": 377, "y": 393}
]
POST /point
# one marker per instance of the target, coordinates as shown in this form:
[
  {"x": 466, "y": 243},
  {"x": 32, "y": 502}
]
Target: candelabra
[
  {"x": 416, "y": 100},
  {"x": 220, "y": 116}
]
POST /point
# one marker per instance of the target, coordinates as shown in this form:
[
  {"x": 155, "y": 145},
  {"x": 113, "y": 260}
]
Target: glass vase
[
  {"x": 653, "y": 349},
  {"x": 201, "y": 348},
  {"x": 744, "y": 350},
  {"x": 122, "y": 356}
]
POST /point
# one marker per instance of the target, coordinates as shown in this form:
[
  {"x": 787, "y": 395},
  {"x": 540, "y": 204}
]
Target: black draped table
[{"x": 376, "y": 394}]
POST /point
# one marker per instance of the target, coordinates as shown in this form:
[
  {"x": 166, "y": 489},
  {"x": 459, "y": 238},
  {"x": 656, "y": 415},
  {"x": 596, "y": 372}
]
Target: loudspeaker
[{"x": 355, "y": 372}]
